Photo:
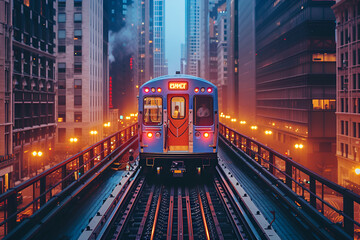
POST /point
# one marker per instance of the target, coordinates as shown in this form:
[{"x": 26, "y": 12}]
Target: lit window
[
  {"x": 77, "y": 84},
  {"x": 77, "y": 51},
  {"x": 152, "y": 110},
  {"x": 78, "y": 117},
  {"x": 178, "y": 107},
  {"x": 77, "y": 34},
  {"x": 324, "y": 57},
  {"x": 323, "y": 104}
]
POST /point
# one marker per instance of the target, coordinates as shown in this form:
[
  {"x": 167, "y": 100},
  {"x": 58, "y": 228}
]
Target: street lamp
[
  {"x": 268, "y": 132},
  {"x": 73, "y": 140},
  {"x": 299, "y": 146},
  {"x": 242, "y": 122},
  {"x": 357, "y": 171},
  {"x": 253, "y": 127},
  {"x": 37, "y": 154}
]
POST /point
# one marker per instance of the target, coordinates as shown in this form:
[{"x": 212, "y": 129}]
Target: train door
[{"x": 178, "y": 122}]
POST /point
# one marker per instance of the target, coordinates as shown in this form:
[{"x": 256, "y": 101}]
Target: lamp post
[
  {"x": 93, "y": 133},
  {"x": 37, "y": 155},
  {"x": 106, "y": 126}
]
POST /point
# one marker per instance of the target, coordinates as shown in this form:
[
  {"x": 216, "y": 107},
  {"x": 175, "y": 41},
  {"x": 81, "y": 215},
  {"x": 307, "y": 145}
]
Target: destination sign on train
[{"x": 178, "y": 86}]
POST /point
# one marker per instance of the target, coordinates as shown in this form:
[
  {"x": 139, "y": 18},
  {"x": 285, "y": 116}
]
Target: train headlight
[
  {"x": 158, "y": 134},
  {"x": 149, "y": 135},
  {"x": 206, "y": 135},
  {"x": 196, "y": 90},
  {"x": 159, "y": 90}
]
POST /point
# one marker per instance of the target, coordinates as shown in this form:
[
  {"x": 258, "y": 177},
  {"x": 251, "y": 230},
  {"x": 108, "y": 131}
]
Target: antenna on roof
[{"x": 177, "y": 72}]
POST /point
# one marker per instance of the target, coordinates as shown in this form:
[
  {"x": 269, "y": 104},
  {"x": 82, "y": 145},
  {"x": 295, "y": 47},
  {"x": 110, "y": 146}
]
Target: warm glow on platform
[{"x": 253, "y": 127}]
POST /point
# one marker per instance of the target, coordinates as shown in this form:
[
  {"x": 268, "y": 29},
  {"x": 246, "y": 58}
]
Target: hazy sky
[{"x": 174, "y": 32}]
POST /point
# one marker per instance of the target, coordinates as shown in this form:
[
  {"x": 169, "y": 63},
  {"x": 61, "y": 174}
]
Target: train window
[
  {"x": 203, "y": 111},
  {"x": 152, "y": 110},
  {"x": 178, "y": 107}
]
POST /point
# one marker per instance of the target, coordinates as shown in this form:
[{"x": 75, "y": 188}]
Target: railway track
[{"x": 197, "y": 208}]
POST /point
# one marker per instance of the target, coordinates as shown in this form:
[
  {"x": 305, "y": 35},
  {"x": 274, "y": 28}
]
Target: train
[{"x": 178, "y": 124}]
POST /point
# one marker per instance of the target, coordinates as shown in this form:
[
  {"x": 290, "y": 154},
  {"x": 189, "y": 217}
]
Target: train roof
[{"x": 177, "y": 76}]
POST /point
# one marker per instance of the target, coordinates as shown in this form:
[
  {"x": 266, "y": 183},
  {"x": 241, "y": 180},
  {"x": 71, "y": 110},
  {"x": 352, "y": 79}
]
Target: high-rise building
[
  {"x": 122, "y": 42},
  {"x": 192, "y": 37},
  {"x": 6, "y": 122},
  {"x": 81, "y": 74},
  {"x": 295, "y": 80},
  {"x": 246, "y": 62},
  {"x": 150, "y": 60},
  {"x": 222, "y": 54},
  {"x": 347, "y": 88},
  {"x": 160, "y": 65},
  {"x": 183, "y": 59},
  {"x": 33, "y": 84}
]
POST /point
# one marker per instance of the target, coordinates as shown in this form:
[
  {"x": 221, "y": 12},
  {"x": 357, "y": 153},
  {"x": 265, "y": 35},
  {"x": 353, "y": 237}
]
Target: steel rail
[
  {"x": 146, "y": 213},
  {"x": 171, "y": 212},
  {"x": 180, "y": 216},
  {"x": 188, "y": 212},
  {"x": 156, "y": 215},
  {"x": 213, "y": 214},
  {"x": 203, "y": 216}
]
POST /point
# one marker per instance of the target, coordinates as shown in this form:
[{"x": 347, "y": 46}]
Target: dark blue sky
[{"x": 174, "y": 32}]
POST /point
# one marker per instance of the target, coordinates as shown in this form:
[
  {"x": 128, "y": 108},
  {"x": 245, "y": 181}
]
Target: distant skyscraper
[
  {"x": 81, "y": 70},
  {"x": 33, "y": 84},
  {"x": 6, "y": 97},
  {"x": 347, "y": 88},
  {"x": 192, "y": 37},
  {"x": 183, "y": 59},
  {"x": 160, "y": 66}
]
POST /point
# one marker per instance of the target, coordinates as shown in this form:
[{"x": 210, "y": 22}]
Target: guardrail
[
  {"x": 48, "y": 185},
  {"x": 335, "y": 202}
]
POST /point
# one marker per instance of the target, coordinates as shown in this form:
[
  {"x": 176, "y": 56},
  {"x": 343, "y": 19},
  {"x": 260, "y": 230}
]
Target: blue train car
[{"x": 178, "y": 124}]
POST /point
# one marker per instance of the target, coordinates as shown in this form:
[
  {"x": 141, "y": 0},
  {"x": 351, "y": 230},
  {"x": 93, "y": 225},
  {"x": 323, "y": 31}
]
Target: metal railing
[
  {"x": 49, "y": 185},
  {"x": 335, "y": 202}
]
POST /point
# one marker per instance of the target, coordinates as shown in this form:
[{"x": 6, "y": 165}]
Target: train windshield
[
  {"x": 178, "y": 107},
  {"x": 153, "y": 110},
  {"x": 203, "y": 111}
]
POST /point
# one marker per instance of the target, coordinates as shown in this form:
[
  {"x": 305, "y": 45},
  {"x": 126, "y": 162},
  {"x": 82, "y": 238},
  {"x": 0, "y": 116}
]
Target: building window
[
  {"x": 342, "y": 149},
  {"x": 62, "y": 49},
  {"x": 77, "y": 34},
  {"x": 62, "y": 34},
  {"x": 354, "y": 129},
  {"x": 346, "y": 128},
  {"x": 62, "y": 18},
  {"x": 346, "y": 105},
  {"x": 78, "y": 117},
  {"x": 77, "y": 51},
  {"x": 346, "y": 150},
  {"x": 62, "y": 3},
  {"x": 62, "y": 135},
  {"x": 77, "y": 3},
  {"x": 62, "y": 67},
  {"x": 324, "y": 57},
  {"x": 354, "y": 57},
  {"x": 323, "y": 104},
  {"x": 62, "y": 100},
  {"x": 77, "y": 84},
  {"x": 342, "y": 127},
  {"x": 62, "y": 84},
  {"x": 61, "y": 117},
  {"x": 77, "y": 17},
  {"x": 77, "y": 67},
  {"x": 77, "y": 100}
]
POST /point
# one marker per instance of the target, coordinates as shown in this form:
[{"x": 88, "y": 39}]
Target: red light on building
[
  {"x": 110, "y": 92},
  {"x": 131, "y": 63}
]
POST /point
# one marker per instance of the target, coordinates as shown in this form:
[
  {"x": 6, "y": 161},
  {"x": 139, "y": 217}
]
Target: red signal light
[
  {"x": 146, "y": 90},
  {"x": 206, "y": 135},
  {"x": 149, "y": 135},
  {"x": 209, "y": 90}
]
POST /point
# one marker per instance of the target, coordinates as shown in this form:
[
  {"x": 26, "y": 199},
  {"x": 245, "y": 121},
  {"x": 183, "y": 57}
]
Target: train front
[{"x": 178, "y": 124}]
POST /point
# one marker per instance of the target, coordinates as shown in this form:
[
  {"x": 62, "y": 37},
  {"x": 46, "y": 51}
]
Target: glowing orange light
[
  {"x": 40, "y": 153},
  {"x": 34, "y": 153},
  {"x": 206, "y": 135},
  {"x": 159, "y": 90},
  {"x": 146, "y": 90},
  {"x": 153, "y": 90},
  {"x": 178, "y": 85},
  {"x": 196, "y": 90},
  {"x": 149, "y": 135},
  {"x": 357, "y": 171}
]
